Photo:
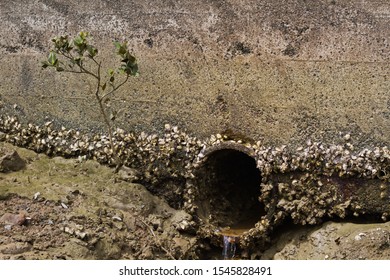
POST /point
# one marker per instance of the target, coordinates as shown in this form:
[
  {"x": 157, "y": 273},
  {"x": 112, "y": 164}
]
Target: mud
[
  {"x": 337, "y": 241},
  {"x": 82, "y": 210}
]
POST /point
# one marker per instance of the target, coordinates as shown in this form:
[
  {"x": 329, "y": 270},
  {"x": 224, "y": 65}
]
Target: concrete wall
[{"x": 281, "y": 71}]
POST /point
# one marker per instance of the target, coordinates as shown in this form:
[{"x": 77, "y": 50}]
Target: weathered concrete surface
[{"x": 280, "y": 72}]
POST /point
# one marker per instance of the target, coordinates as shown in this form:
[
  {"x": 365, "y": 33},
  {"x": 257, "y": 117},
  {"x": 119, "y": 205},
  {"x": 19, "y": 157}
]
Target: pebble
[
  {"x": 80, "y": 234},
  {"x": 11, "y": 161},
  {"x": 15, "y": 248},
  {"x": 117, "y": 218},
  {"x": 13, "y": 219},
  {"x": 8, "y": 227},
  {"x": 36, "y": 195},
  {"x": 360, "y": 236}
]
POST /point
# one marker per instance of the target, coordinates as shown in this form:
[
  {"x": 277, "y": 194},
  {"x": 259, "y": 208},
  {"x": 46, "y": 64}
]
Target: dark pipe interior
[{"x": 229, "y": 187}]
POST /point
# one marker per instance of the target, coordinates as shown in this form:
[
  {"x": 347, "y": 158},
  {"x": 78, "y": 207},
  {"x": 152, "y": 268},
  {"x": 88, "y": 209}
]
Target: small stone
[
  {"x": 80, "y": 234},
  {"x": 359, "y": 236},
  {"x": 117, "y": 218},
  {"x": 15, "y": 248},
  {"x": 11, "y": 161},
  {"x": 8, "y": 227},
  {"x": 182, "y": 243},
  {"x": 36, "y": 195},
  {"x": 128, "y": 174},
  {"x": 79, "y": 227},
  {"x": 13, "y": 219},
  {"x": 64, "y": 205},
  {"x": 68, "y": 230}
]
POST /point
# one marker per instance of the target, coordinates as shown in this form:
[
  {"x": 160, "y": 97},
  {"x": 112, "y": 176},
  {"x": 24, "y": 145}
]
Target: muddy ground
[
  {"x": 56, "y": 208},
  {"x": 74, "y": 209}
]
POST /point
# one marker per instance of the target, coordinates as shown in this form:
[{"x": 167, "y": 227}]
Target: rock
[
  {"x": 13, "y": 219},
  {"x": 36, "y": 195},
  {"x": 7, "y": 227},
  {"x": 15, "y": 248},
  {"x": 182, "y": 243},
  {"x": 128, "y": 174},
  {"x": 11, "y": 161},
  {"x": 80, "y": 234},
  {"x": 181, "y": 221},
  {"x": 68, "y": 230},
  {"x": 155, "y": 221},
  {"x": 130, "y": 222}
]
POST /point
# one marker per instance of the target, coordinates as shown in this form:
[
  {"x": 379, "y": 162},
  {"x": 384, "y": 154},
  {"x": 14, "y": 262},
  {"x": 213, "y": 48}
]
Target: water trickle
[
  {"x": 229, "y": 247},
  {"x": 231, "y": 238}
]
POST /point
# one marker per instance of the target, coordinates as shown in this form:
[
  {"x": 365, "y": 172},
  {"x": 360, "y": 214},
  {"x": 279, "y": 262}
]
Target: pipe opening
[{"x": 229, "y": 187}]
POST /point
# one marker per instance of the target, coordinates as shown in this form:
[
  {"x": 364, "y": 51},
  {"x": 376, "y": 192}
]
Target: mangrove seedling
[{"x": 78, "y": 56}]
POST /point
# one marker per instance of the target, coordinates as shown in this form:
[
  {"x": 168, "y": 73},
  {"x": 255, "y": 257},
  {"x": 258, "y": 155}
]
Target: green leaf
[
  {"x": 83, "y": 35},
  {"x": 45, "y": 64},
  {"x": 121, "y": 48},
  {"x": 111, "y": 72},
  {"x": 80, "y": 42},
  {"x": 130, "y": 68},
  {"x": 77, "y": 60},
  {"x": 62, "y": 44},
  {"x": 52, "y": 60},
  {"x": 92, "y": 51},
  {"x": 117, "y": 44},
  {"x": 131, "y": 59}
]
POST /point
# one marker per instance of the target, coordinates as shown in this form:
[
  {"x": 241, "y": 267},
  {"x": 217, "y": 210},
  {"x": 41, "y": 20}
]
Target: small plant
[{"x": 78, "y": 56}]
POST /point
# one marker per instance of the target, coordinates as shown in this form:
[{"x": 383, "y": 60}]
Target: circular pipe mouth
[{"x": 228, "y": 183}]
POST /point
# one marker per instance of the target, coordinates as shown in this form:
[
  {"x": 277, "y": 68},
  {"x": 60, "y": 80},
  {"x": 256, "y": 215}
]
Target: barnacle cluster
[{"x": 168, "y": 155}]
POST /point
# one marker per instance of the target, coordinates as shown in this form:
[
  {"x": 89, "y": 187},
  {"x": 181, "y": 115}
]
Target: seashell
[
  {"x": 117, "y": 218},
  {"x": 36, "y": 195}
]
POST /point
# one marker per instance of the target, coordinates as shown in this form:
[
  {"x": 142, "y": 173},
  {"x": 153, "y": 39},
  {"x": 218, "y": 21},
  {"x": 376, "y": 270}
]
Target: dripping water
[{"x": 229, "y": 247}]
